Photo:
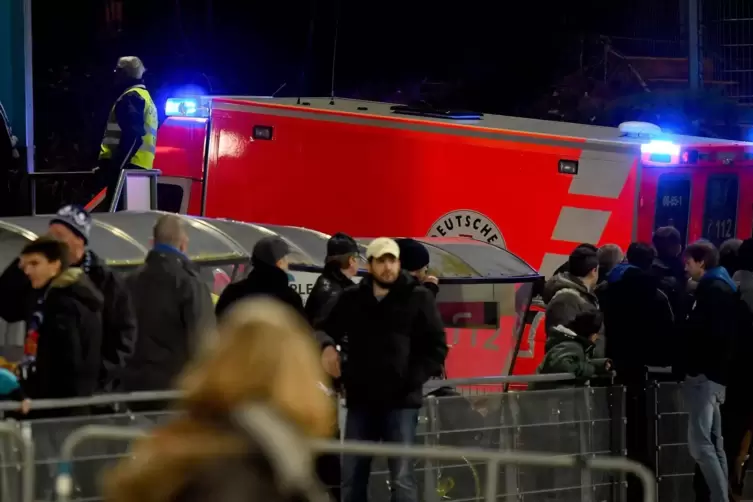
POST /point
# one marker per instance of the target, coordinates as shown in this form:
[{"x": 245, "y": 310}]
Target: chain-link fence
[
  {"x": 571, "y": 423},
  {"x": 673, "y": 465}
]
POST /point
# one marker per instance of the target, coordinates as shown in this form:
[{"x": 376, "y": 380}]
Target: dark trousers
[
  {"x": 390, "y": 426},
  {"x": 328, "y": 471}
]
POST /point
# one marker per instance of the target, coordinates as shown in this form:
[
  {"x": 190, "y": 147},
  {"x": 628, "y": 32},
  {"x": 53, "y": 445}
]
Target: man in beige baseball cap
[{"x": 395, "y": 343}]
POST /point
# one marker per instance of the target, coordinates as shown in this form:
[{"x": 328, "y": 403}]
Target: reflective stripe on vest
[{"x": 144, "y": 156}]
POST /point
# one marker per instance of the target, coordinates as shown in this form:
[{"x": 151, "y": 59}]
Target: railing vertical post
[
  {"x": 652, "y": 416},
  {"x": 583, "y": 416},
  {"x": 153, "y": 193},
  {"x": 33, "y": 195},
  {"x": 432, "y": 438},
  {"x": 492, "y": 471},
  {"x": 510, "y": 423}
]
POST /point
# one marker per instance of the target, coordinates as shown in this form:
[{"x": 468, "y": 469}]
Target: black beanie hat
[
  {"x": 270, "y": 250},
  {"x": 341, "y": 244},
  {"x": 413, "y": 255}
]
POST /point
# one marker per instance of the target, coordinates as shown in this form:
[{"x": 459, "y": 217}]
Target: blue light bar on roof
[
  {"x": 660, "y": 147},
  {"x": 187, "y": 107}
]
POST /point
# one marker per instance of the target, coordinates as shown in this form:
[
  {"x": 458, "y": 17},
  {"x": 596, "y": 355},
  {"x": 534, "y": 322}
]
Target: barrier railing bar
[
  {"x": 492, "y": 380},
  {"x": 104, "y": 399},
  {"x": 168, "y": 395},
  {"x": 27, "y": 447},
  {"x": 494, "y": 458},
  {"x": 50, "y": 174}
]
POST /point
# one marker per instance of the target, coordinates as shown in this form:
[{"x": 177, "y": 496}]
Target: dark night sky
[{"x": 496, "y": 56}]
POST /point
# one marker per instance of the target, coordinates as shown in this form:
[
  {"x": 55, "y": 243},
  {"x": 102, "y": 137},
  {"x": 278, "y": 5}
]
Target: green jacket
[{"x": 568, "y": 353}]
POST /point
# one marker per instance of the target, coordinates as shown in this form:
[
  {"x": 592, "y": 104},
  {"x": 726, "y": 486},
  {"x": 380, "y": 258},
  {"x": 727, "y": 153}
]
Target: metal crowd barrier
[
  {"x": 671, "y": 460},
  {"x": 567, "y": 423},
  {"x": 493, "y": 460}
]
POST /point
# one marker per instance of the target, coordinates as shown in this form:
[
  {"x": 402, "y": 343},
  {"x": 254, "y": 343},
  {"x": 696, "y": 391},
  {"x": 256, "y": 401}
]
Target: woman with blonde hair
[{"x": 263, "y": 361}]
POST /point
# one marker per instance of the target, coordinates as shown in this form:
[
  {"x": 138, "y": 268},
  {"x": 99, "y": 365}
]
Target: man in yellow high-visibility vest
[{"x": 130, "y": 137}]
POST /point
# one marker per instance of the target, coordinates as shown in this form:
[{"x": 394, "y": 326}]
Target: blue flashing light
[
  {"x": 186, "y": 107},
  {"x": 660, "y": 147}
]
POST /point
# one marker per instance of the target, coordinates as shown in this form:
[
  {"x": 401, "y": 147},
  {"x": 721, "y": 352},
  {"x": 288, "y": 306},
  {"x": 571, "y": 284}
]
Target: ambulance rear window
[
  {"x": 673, "y": 204},
  {"x": 720, "y": 214}
]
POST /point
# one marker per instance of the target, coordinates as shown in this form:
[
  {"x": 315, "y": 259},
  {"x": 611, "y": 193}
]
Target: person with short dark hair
[
  {"x": 669, "y": 268},
  {"x": 709, "y": 335},
  {"x": 639, "y": 324},
  {"x": 269, "y": 277},
  {"x": 63, "y": 347},
  {"x": 638, "y": 316},
  {"x": 340, "y": 266},
  {"x": 568, "y": 294},
  {"x": 728, "y": 255},
  {"x": 72, "y": 225},
  {"x": 565, "y": 266}
]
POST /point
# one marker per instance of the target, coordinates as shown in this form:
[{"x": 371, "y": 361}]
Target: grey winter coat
[{"x": 566, "y": 296}]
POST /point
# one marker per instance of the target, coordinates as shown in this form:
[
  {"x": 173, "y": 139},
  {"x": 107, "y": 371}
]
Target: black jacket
[
  {"x": 327, "y": 286},
  {"x": 638, "y": 319},
  {"x": 119, "y": 320},
  {"x": 711, "y": 327},
  {"x": 265, "y": 280},
  {"x": 174, "y": 308},
  {"x": 673, "y": 281},
  {"x": 69, "y": 351},
  {"x": 394, "y": 345}
]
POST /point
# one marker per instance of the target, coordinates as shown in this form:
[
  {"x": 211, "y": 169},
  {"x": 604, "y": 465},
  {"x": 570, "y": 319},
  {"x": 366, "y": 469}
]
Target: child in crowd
[{"x": 569, "y": 349}]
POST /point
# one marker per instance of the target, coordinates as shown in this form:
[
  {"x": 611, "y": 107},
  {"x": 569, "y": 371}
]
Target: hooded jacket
[
  {"x": 569, "y": 352},
  {"x": 69, "y": 350},
  {"x": 638, "y": 319},
  {"x": 566, "y": 296},
  {"x": 265, "y": 280},
  {"x": 119, "y": 320},
  {"x": 394, "y": 344},
  {"x": 711, "y": 327}
]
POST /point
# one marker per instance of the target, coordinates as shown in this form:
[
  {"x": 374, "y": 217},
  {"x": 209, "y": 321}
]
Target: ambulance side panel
[{"x": 388, "y": 177}]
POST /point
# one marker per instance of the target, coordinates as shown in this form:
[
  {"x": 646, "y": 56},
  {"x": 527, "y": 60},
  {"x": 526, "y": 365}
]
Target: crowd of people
[
  {"x": 659, "y": 305},
  {"x": 91, "y": 330}
]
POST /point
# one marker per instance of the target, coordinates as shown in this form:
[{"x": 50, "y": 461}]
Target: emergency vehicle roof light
[
  {"x": 187, "y": 107},
  {"x": 660, "y": 147},
  {"x": 639, "y": 129}
]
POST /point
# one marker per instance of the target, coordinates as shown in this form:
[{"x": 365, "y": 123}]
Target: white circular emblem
[{"x": 467, "y": 223}]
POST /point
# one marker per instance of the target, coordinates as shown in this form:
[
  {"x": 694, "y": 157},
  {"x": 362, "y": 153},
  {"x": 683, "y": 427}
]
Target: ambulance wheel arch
[
  {"x": 173, "y": 194},
  {"x": 468, "y": 223}
]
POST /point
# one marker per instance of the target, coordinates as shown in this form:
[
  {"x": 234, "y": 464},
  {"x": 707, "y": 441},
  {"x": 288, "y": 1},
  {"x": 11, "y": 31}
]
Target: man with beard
[{"x": 396, "y": 342}]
